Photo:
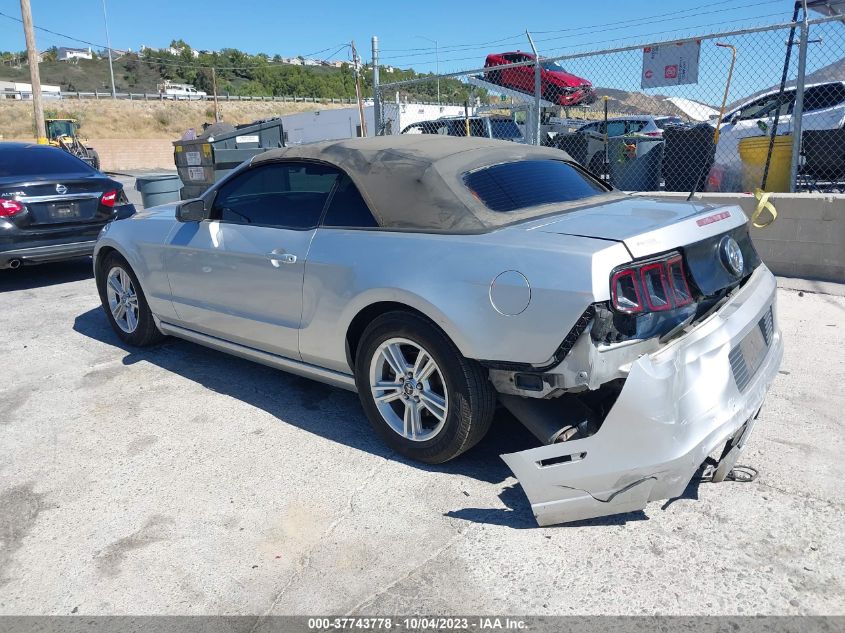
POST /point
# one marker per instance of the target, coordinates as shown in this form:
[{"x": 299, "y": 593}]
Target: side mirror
[{"x": 191, "y": 211}]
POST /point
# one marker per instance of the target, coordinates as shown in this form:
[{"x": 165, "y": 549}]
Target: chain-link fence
[{"x": 645, "y": 118}]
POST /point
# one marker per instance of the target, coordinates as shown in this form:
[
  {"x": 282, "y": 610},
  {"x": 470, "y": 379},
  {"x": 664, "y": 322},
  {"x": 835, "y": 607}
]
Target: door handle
[{"x": 285, "y": 258}]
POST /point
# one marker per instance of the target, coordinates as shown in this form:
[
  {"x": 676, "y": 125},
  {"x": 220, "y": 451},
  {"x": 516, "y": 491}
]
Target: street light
[
  {"x": 108, "y": 43},
  {"x": 437, "y": 58}
]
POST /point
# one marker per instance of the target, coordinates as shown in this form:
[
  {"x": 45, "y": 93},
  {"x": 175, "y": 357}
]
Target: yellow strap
[{"x": 763, "y": 204}]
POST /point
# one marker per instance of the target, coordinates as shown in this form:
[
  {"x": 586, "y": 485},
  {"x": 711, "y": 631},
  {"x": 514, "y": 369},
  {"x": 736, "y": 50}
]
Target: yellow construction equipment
[{"x": 64, "y": 133}]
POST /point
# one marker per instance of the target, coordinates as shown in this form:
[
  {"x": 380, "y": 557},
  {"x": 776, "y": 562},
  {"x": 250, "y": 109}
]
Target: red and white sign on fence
[{"x": 670, "y": 64}]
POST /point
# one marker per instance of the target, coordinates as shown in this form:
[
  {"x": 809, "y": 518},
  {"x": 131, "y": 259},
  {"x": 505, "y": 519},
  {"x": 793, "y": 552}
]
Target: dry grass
[{"x": 141, "y": 119}]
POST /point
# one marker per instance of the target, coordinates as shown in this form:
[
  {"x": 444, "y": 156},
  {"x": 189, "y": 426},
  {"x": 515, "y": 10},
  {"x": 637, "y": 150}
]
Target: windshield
[
  {"x": 60, "y": 128},
  {"x": 528, "y": 183},
  {"x": 505, "y": 128},
  {"x": 553, "y": 66}
]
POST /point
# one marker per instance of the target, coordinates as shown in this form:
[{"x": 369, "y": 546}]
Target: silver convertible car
[{"x": 440, "y": 277}]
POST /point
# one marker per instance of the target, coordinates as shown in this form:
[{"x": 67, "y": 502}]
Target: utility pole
[
  {"x": 108, "y": 43},
  {"x": 35, "y": 77},
  {"x": 356, "y": 65},
  {"x": 376, "y": 89},
  {"x": 214, "y": 90}
]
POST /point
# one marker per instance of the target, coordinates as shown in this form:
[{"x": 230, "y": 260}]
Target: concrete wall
[
  {"x": 123, "y": 154},
  {"x": 807, "y": 239},
  {"x": 130, "y": 154}
]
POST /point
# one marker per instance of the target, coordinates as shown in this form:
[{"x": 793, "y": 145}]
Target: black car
[{"x": 52, "y": 204}]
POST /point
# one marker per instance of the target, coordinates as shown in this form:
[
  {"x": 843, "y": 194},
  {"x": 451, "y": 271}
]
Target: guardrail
[{"x": 155, "y": 96}]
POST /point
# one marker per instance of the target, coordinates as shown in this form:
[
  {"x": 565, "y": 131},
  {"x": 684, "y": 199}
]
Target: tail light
[
  {"x": 653, "y": 133},
  {"x": 650, "y": 286},
  {"x": 8, "y": 208},
  {"x": 109, "y": 198}
]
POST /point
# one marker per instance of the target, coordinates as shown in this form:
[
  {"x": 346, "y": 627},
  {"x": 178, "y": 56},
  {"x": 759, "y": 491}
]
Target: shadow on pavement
[
  {"x": 41, "y": 275},
  {"x": 294, "y": 400}
]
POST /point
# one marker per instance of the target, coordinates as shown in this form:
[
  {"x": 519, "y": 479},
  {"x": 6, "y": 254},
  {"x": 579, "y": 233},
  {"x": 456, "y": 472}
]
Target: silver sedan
[{"x": 441, "y": 277}]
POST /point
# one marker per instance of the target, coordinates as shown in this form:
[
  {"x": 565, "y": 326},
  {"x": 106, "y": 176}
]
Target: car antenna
[{"x": 721, "y": 113}]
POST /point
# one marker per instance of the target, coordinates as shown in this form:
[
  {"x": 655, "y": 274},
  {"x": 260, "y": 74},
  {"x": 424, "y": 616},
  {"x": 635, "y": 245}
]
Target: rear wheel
[
  {"x": 124, "y": 303},
  {"x": 95, "y": 158},
  {"x": 422, "y": 397}
]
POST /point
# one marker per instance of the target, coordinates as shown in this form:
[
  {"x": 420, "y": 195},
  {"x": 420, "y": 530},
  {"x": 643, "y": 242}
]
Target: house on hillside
[{"x": 65, "y": 54}]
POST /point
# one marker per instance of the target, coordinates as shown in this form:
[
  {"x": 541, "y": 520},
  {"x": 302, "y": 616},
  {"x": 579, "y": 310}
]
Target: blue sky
[
  {"x": 465, "y": 31},
  {"x": 292, "y": 28}
]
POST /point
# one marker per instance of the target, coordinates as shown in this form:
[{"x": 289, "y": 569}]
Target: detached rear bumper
[{"x": 677, "y": 406}]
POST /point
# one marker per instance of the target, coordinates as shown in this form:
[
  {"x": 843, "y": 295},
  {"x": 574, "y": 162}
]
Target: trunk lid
[
  {"x": 647, "y": 225},
  {"x": 60, "y": 202}
]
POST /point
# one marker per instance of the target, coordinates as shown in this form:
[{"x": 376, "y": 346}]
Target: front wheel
[
  {"x": 422, "y": 397},
  {"x": 124, "y": 303}
]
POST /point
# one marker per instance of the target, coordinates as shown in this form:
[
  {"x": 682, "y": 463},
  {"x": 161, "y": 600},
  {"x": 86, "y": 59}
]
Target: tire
[
  {"x": 460, "y": 384},
  {"x": 140, "y": 331},
  {"x": 95, "y": 158}
]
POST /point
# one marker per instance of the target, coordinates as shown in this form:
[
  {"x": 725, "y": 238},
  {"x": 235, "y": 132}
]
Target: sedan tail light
[
  {"x": 8, "y": 208},
  {"x": 650, "y": 286},
  {"x": 109, "y": 198}
]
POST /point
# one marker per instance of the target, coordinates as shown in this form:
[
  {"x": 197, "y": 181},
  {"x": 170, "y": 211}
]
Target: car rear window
[
  {"x": 669, "y": 120},
  {"x": 528, "y": 183},
  {"x": 40, "y": 161}
]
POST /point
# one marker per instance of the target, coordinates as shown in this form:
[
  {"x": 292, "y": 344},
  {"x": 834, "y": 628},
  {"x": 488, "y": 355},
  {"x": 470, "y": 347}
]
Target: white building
[
  {"x": 19, "y": 90},
  {"x": 67, "y": 54},
  {"x": 339, "y": 123}
]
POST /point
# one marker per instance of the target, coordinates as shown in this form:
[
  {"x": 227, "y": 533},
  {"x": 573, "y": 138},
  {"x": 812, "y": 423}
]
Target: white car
[
  {"x": 824, "y": 109},
  {"x": 183, "y": 92}
]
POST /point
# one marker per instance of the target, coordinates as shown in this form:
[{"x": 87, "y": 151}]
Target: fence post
[
  {"x": 798, "y": 110},
  {"x": 535, "y": 124},
  {"x": 376, "y": 91}
]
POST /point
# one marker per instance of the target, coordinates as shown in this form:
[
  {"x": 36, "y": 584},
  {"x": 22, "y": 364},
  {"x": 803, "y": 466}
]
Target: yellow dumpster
[{"x": 753, "y": 151}]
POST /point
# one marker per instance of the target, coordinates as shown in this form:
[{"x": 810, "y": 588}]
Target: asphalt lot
[{"x": 180, "y": 480}]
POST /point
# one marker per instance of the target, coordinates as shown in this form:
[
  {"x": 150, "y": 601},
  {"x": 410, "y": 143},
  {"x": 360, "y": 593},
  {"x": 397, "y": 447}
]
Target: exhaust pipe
[
  {"x": 14, "y": 263},
  {"x": 552, "y": 421}
]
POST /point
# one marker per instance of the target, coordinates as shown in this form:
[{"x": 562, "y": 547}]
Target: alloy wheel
[
  {"x": 122, "y": 298},
  {"x": 408, "y": 389}
]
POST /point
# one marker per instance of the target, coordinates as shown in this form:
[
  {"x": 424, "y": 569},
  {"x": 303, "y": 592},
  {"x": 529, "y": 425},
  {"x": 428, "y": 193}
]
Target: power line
[
  {"x": 615, "y": 39},
  {"x": 520, "y": 36}
]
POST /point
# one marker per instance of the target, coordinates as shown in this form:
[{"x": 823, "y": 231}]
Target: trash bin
[
  {"x": 203, "y": 161},
  {"x": 575, "y": 144},
  {"x": 635, "y": 162},
  {"x": 158, "y": 188},
  {"x": 753, "y": 151},
  {"x": 688, "y": 155}
]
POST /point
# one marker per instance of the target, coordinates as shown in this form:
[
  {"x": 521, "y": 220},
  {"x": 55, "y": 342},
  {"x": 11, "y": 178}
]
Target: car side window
[
  {"x": 348, "y": 208},
  {"x": 284, "y": 195},
  {"x": 824, "y": 96},
  {"x": 615, "y": 128},
  {"x": 766, "y": 106}
]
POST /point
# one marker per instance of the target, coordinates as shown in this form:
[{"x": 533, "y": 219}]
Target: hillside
[{"x": 238, "y": 74}]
